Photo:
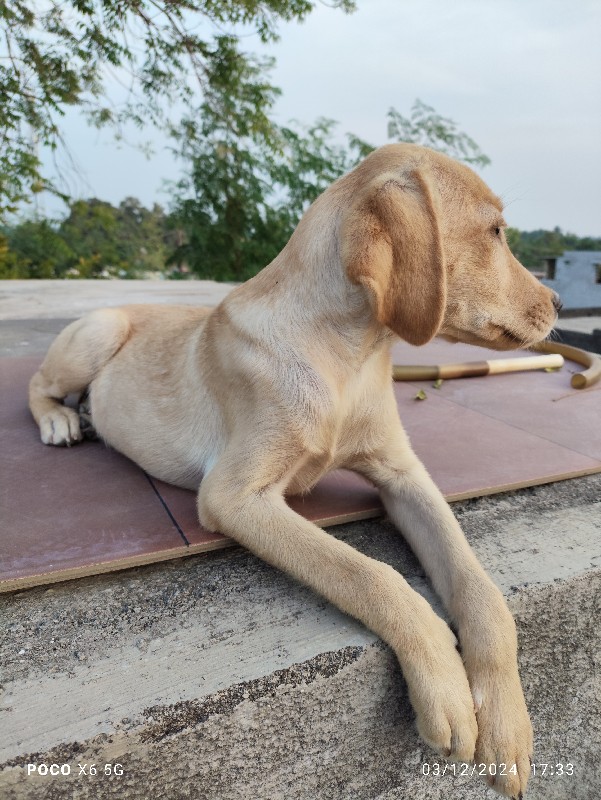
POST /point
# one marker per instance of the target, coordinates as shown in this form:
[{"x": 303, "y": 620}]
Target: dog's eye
[{"x": 497, "y": 231}]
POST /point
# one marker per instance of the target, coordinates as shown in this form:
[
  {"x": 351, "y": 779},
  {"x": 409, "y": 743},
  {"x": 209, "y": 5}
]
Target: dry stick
[
  {"x": 471, "y": 369},
  {"x": 581, "y": 379}
]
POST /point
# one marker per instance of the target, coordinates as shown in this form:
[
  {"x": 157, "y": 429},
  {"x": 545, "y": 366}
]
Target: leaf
[
  {"x": 438, "y": 383},
  {"x": 62, "y": 53},
  {"x": 428, "y": 128},
  {"x": 421, "y": 395}
]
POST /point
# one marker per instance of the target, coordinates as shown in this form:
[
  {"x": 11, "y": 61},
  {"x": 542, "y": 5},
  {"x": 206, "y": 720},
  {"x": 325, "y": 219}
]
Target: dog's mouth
[
  {"x": 512, "y": 338},
  {"x": 504, "y": 338},
  {"x": 494, "y": 337}
]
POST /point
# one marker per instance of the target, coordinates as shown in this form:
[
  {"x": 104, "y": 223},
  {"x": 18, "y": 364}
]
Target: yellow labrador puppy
[{"x": 290, "y": 377}]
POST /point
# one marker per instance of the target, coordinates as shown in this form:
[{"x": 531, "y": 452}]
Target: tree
[
  {"x": 60, "y": 53},
  {"x": 95, "y": 240},
  {"x": 424, "y": 126},
  {"x": 141, "y": 237},
  {"x": 250, "y": 179},
  {"x": 34, "y": 249},
  {"x": 91, "y": 231},
  {"x": 124, "y": 242},
  {"x": 532, "y": 248},
  {"x": 6, "y": 267}
]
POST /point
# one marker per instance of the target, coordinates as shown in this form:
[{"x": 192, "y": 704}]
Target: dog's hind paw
[{"x": 60, "y": 427}]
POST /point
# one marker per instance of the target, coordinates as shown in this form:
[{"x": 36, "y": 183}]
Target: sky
[{"x": 521, "y": 77}]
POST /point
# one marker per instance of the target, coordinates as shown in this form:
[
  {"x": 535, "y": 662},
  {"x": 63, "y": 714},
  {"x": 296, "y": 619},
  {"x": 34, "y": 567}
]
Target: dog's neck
[{"x": 306, "y": 288}]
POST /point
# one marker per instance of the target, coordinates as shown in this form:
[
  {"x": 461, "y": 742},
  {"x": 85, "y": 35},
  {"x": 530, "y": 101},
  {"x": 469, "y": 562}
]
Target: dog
[{"x": 290, "y": 377}]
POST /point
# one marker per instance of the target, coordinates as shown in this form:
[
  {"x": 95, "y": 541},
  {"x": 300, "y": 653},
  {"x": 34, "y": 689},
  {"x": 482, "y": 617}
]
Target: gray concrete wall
[{"x": 575, "y": 279}]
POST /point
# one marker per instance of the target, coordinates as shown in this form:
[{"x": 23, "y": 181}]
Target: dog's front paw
[
  {"x": 504, "y": 743},
  {"x": 60, "y": 427},
  {"x": 440, "y": 695}
]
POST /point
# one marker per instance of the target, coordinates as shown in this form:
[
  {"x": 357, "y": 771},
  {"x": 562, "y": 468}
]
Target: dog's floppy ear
[{"x": 390, "y": 244}]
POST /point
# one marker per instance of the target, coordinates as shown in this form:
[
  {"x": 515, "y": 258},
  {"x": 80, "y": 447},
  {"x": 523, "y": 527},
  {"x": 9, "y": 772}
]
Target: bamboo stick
[
  {"x": 475, "y": 368},
  {"x": 581, "y": 380}
]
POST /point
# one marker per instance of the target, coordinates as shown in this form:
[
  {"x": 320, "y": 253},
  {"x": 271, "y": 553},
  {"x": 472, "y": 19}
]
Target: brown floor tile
[
  {"x": 340, "y": 497},
  {"x": 541, "y": 403},
  {"x": 65, "y": 509},
  {"x": 469, "y": 454},
  {"x": 182, "y": 508},
  {"x": 86, "y": 509}
]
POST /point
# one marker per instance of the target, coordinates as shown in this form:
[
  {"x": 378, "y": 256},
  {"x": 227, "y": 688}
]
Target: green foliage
[
  {"x": 249, "y": 182},
  {"x": 95, "y": 240},
  {"x": 60, "y": 53},
  {"x": 533, "y": 247},
  {"x": 424, "y": 126},
  {"x": 5, "y": 267},
  {"x": 250, "y": 179},
  {"x": 34, "y": 249},
  {"x": 91, "y": 232},
  {"x": 107, "y": 241}
]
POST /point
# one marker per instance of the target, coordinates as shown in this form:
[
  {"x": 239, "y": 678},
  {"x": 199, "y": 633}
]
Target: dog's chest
[{"x": 354, "y": 431}]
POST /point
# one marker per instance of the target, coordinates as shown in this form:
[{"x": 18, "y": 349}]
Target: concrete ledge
[
  {"x": 217, "y": 677},
  {"x": 48, "y": 299}
]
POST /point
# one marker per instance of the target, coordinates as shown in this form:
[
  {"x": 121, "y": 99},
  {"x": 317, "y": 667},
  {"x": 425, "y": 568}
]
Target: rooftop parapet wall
[{"x": 577, "y": 279}]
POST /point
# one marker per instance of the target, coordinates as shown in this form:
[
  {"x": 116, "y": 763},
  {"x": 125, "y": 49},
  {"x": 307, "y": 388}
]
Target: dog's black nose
[{"x": 557, "y": 302}]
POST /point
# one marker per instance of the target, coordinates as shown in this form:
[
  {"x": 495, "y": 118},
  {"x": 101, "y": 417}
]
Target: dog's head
[{"x": 425, "y": 237}]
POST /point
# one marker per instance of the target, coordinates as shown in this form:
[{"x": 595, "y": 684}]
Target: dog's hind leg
[{"x": 73, "y": 361}]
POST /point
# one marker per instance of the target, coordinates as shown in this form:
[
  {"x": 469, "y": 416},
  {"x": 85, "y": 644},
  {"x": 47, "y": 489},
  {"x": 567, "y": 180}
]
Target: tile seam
[{"x": 167, "y": 510}]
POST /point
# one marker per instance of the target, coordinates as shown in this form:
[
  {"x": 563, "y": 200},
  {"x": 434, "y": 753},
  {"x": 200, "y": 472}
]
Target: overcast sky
[{"x": 521, "y": 77}]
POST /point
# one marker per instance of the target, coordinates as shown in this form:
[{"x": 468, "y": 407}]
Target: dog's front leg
[
  {"x": 486, "y": 628},
  {"x": 369, "y": 590}
]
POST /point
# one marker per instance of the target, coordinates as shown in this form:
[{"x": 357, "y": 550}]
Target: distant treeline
[
  {"x": 533, "y": 247},
  {"x": 94, "y": 240},
  {"x": 98, "y": 240}
]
